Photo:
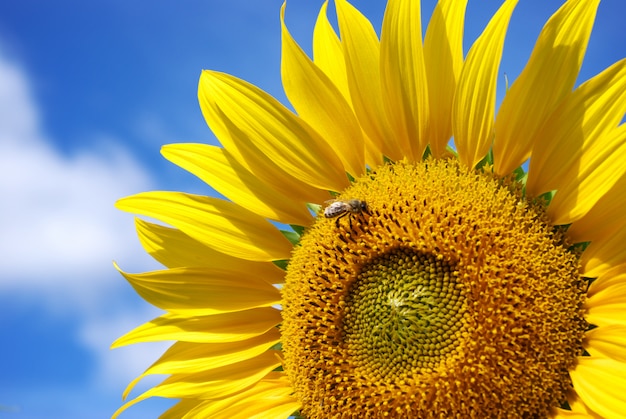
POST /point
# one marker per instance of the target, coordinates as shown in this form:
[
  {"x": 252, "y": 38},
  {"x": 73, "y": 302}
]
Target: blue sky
[{"x": 89, "y": 91}]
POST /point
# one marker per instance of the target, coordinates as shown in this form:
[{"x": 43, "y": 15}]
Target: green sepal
[
  {"x": 282, "y": 264},
  {"x": 487, "y": 160},
  {"x": 427, "y": 153},
  {"x": 520, "y": 175},
  {"x": 314, "y": 208},
  {"x": 547, "y": 197},
  {"x": 299, "y": 230},
  {"x": 292, "y": 236}
]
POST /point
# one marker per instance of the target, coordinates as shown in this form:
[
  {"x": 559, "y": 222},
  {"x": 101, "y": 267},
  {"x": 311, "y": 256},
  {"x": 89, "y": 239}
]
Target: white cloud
[
  {"x": 61, "y": 233},
  {"x": 120, "y": 366},
  {"x": 60, "y": 230}
]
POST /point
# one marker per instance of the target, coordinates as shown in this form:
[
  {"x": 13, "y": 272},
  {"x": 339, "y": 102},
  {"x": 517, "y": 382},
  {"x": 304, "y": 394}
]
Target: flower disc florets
[
  {"x": 403, "y": 313},
  {"x": 450, "y": 296}
]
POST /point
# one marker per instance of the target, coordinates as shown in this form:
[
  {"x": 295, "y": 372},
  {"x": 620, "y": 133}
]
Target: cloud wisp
[
  {"x": 60, "y": 230},
  {"x": 60, "y": 236}
]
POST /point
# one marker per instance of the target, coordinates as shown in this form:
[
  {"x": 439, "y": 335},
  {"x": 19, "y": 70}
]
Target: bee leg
[{"x": 339, "y": 218}]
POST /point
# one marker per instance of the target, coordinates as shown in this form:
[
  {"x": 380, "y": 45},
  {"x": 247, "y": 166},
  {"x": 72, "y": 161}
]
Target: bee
[{"x": 340, "y": 208}]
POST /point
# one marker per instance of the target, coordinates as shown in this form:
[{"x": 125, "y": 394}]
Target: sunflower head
[
  {"x": 451, "y": 283},
  {"x": 397, "y": 246}
]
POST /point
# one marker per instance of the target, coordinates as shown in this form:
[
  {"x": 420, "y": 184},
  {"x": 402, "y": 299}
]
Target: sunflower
[{"x": 361, "y": 266}]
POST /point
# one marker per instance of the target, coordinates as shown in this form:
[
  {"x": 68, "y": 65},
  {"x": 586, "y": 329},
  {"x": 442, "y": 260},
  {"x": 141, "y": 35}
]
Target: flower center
[
  {"x": 446, "y": 295},
  {"x": 403, "y": 313}
]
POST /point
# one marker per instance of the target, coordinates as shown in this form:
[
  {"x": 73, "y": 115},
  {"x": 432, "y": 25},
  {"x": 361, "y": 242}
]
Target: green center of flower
[
  {"x": 403, "y": 313},
  {"x": 449, "y": 296}
]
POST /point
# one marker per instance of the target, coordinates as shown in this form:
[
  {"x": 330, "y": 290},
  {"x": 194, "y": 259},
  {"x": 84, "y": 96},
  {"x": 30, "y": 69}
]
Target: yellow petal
[
  {"x": 334, "y": 63},
  {"x": 601, "y": 384},
  {"x": 251, "y": 157},
  {"x": 328, "y": 53},
  {"x": 222, "y": 171},
  {"x": 226, "y": 327},
  {"x": 361, "y": 50},
  {"x": 613, "y": 276},
  {"x": 269, "y": 398},
  {"x": 184, "y": 357},
  {"x": 405, "y": 91},
  {"x": 568, "y": 414},
  {"x": 610, "y": 295},
  {"x": 248, "y": 155},
  {"x": 547, "y": 78},
  {"x": 601, "y": 166},
  {"x": 280, "y": 409},
  {"x": 316, "y": 100},
  {"x": 604, "y": 218},
  {"x": 608, "y": 341},
  {"x": 583, "y": 118},
  {"x": 603, "y": 254},
  {"x": 175, "y": 249},
  {"x": 188, "y": 358},
  {"x": 180, "y": 409},
  {"x": 219, "y": 224},
  {"x": 607, "y": 306},
  {"x": 443, "y": 56},
  {"x": 216, "y": 383},
  {"x": 266, "y": 406},
  {"x": 579, "y": 408},
  {"x": 475, "y": 101},
  {"x": 263, "y": 122},
  {"x": 204, "y": 291}
]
